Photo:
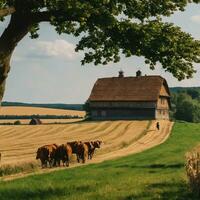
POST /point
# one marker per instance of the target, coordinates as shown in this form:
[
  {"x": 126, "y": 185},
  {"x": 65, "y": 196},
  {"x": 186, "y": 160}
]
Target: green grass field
[{"x": 157, "y": 173}]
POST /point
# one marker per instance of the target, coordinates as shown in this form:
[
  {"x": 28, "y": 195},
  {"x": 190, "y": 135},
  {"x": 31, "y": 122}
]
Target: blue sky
[{"x": 47, "y": 70}]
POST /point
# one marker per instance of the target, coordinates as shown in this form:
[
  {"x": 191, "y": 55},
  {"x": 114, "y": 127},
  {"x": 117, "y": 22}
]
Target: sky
[{"x": 48, "y": 70}]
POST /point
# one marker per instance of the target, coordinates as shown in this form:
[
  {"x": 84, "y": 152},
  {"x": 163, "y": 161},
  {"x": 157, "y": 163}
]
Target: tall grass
[
  {"x": 14, "y": 169},
  {"x": 158, "y": 173}
]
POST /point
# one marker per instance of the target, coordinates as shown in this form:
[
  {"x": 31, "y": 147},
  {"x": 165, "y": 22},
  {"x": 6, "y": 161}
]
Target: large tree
[{"x": 106, "y": 29}]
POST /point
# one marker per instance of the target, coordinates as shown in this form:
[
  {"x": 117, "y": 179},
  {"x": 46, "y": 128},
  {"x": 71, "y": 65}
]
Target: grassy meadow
[{"x": 157, "y": 173}]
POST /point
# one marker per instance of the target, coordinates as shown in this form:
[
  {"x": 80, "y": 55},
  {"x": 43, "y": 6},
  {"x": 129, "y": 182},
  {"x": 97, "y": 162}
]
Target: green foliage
[
  {"x": 108, "y": 28},
  {"x": 158, "y": 173},
  {"x": 17, "y": 122},
  {"x": 194, "y": 93},
  {"x": 186, "y": 104}
]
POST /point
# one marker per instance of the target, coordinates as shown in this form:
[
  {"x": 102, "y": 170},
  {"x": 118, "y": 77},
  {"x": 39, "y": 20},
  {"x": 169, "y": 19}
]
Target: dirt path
[{"x": 120, "y": 138}]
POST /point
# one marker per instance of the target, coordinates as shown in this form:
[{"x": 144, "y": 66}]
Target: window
[
  {"x": 94, "y": 113},
  {"x": 162, "y": 100},
  {"x": 103, "y": 113}
]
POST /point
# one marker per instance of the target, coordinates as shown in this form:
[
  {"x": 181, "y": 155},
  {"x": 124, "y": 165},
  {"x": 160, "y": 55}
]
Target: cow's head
[{"x": 97, "y": 143}]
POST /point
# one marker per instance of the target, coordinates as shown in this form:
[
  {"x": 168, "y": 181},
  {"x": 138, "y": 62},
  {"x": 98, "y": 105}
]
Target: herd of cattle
[{"x": 53, "y": 154}]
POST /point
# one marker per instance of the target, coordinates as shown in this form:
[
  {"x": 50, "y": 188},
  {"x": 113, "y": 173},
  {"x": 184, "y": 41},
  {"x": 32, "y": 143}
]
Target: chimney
[
  {"x": 138, "y": 73},
  {"x": 121, "y": 74}
]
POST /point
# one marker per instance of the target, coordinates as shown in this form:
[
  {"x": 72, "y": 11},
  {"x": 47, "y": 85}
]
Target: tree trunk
[
  {"x": 4, "y": 69},
  {"x": 18, "y": 27}
]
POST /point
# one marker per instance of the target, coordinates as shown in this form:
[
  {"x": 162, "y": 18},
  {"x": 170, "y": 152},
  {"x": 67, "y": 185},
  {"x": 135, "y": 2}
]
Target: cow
[
  {"x": 63, "y": 153},
  {"x": 95, "y": 144},
  {"x": 74, "y": 146},
  {"x": 82, "y": 152},
  {"x": 46, "y": 154},
  {"x": 90, "y": 149}
]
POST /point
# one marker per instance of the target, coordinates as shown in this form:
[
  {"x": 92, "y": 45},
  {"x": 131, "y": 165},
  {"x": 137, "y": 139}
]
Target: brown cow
[
  {"x": 95, "y": 144},
  {"x": 46, "y": 154},
  {"x": 64, "y": 153},
  {"x": 74, "y": 146},
  {"x": 90, "y": 149},
  {"x": 82, "y": 152}
]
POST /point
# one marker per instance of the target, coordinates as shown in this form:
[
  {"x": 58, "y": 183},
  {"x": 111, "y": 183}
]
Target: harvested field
[
  {"x": 44, "y": 121},
  {"x": 22, "y": 110},
  {"x": 19, "y": 144}
]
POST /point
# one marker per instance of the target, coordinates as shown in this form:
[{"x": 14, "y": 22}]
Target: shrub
[{"x": 17, "y": 122}]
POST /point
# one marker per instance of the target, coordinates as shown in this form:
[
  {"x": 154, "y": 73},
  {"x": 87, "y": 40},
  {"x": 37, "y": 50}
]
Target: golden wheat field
[
  {"x": 22, "y": 110},
  {"x": 18, "y": 144}
]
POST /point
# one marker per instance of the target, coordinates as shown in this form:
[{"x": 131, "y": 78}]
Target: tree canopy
[
  {"x": 106, "y": 29},
  {"x": 186, "y": 104}
]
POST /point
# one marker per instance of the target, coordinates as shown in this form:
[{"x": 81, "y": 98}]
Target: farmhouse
[{"x": 140, "y": 97}]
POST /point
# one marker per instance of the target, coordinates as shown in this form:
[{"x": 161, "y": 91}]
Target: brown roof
[{"x": 142, "y": 88}]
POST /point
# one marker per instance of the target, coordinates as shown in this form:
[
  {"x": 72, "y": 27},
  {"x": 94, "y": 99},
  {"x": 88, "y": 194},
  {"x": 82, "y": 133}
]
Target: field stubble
[{"x": 19, "y": 144}]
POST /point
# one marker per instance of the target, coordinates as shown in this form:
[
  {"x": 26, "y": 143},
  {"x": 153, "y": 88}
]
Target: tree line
[{"x": 185, "y": 104}]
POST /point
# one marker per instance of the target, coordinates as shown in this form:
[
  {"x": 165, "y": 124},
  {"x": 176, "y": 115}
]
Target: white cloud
[
  {"x": 196, "y": 18},
  {"x": 58, "y": 48}
]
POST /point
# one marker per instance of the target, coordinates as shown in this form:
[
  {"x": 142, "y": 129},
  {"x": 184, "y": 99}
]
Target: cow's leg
[
  {"x": 58, "y": 162},
  {"x": 42, "y": 163},
  {"x": 63, "y": 161},
  {"x": 78, "y": 158},
  {"x": 45, "y": 163},
  {"x": 54, "y": 163},
  {"x": 51, "y": 163},
  {"x": 84, "y": 157},
  {"x": 92, "y": 153},
  {"x": 67, "y": 161}
]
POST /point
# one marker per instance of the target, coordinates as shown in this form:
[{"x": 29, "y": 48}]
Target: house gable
[{"x": 164, "y": 91}]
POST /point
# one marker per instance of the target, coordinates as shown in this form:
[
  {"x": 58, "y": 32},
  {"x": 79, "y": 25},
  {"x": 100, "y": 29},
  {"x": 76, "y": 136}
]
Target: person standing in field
[{"x": 158, "y": 126}]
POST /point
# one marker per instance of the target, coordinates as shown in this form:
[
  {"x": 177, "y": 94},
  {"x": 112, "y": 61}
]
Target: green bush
[{"x": 17, "y": 122}]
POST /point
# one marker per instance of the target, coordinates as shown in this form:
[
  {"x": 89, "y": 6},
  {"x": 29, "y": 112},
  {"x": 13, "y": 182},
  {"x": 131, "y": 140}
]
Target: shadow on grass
[
  {"x": 165, "y": 191},
  {"x": 42, "y": 193},
  {"x": 153, "y": 166}
]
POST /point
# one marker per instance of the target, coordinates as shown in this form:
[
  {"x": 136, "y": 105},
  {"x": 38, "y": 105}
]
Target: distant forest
[{"x": 185, "y": 103}]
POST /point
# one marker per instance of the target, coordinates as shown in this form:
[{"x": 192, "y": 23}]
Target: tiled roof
[{"x": 142, "y": 88}]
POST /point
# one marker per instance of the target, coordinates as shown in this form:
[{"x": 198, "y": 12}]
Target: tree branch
[
  {"x": 7, "y": 11},
  {"x": 47, "y": 15}
]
